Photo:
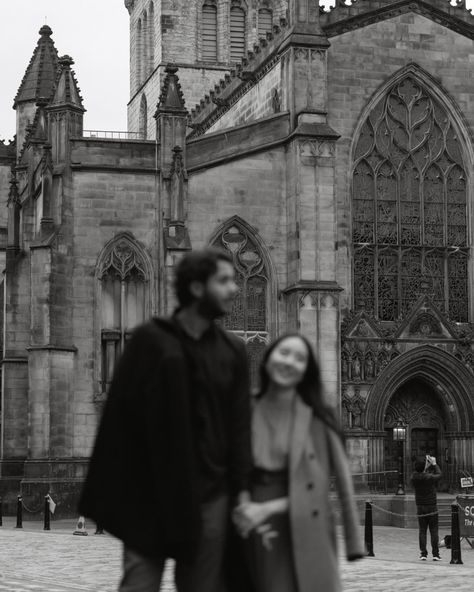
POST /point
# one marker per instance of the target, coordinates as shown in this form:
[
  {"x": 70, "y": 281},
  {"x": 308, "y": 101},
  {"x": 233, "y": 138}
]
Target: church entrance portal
[{"x": 417, "y": 406}]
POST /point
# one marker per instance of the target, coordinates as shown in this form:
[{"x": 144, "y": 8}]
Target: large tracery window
[
  {"x": 123, "y": 282},
  {"x": 249, "y": 316},
  {"x": 409, "y": 207}
]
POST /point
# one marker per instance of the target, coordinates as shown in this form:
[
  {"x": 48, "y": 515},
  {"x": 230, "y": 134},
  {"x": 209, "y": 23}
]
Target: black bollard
[
  {"x": 1, "y": 513},
  {"x": 19, "y": 512},
  {"x": 369, "y": 531},
  {"x": 455, "y": 536},
  {"x": 99, "y": 529},
  {"x": 47, "y": 515}
]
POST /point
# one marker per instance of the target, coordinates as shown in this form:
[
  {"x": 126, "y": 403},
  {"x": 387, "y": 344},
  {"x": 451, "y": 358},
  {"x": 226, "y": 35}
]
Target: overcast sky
[{"x": 94, "y": 32}]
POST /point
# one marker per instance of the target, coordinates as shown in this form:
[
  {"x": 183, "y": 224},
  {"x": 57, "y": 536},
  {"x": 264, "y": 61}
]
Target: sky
[{"x": 95, "y": 33}]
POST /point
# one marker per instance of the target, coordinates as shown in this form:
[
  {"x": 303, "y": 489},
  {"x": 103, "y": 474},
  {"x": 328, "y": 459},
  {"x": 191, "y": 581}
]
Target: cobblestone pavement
[{"x": 56, "y": 561}]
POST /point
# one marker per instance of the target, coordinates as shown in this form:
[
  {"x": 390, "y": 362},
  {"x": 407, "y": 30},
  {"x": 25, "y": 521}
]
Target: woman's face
[{"x": 287, "y": 362}]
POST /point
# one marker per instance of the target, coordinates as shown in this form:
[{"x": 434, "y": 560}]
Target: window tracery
[
  {"x": 409, "y": 206},
  {"x": 122, "y": 273},
  {"x": 249, "y": 316}
]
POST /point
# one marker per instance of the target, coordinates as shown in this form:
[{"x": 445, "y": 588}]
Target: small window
[
  {"x": 209, "y": 32},
  {"x": 237, "y": 34},
  {"x": 265, "y": 20}
]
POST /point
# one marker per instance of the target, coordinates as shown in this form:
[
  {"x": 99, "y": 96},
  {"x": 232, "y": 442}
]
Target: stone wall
[
  {"x": 255, "y": 104},
  {"x": 105, "y": 204}
]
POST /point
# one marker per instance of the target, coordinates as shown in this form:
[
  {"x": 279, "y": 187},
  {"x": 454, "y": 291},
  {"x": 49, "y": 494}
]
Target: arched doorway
[
  {"x": 417, "y": 405},
  {"x": 433, "y": 389}
]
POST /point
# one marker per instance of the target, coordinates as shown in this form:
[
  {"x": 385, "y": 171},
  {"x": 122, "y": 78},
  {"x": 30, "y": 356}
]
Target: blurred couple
[{"x": 186, "y": 466}]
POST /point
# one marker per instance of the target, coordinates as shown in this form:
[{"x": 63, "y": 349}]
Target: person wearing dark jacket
[
  {"x": 424, "y": 480},
  {"x": 172, "y": 452}
]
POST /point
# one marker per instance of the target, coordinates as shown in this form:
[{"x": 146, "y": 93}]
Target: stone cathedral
[{"x": 329, "y": 150}]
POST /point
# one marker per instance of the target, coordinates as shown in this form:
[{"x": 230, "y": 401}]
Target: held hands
[{"x": 249, "y": 515}]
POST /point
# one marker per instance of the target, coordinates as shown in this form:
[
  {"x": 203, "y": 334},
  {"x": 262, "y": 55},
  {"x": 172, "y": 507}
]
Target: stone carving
[
  {"x": 427, "y": 325},
  {"x": 276, "y": 104}
]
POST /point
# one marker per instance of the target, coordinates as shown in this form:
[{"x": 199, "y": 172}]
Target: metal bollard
[
  {"x": 455, "y": 536},
  {"x": 369, "y": 531},
  {"x": 47, "y": 515},
  {"x": 19, "y": 512}
]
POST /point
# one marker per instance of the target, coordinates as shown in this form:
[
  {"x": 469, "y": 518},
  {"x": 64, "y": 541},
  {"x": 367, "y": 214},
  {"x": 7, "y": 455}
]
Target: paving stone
[{"x": 57, "y": 561}]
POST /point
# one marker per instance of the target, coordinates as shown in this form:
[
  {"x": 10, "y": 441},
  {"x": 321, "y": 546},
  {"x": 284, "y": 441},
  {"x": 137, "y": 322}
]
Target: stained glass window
[
  {"x": 409, "y": 216},
  {"x": 249, "y": 315}
]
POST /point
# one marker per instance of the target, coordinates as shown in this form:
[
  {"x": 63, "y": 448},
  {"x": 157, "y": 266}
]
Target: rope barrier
[
  {"x": 403, "y": 515},
  {"x": 29, "y": 510}
]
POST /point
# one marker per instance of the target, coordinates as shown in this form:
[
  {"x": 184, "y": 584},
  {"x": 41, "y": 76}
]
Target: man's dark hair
[
  {"x": 197, "y": 266},
  {"x": 419, "y": 466}
]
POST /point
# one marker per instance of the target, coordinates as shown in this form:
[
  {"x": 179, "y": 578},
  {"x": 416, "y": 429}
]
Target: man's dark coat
[{"x": 141, "y": 485}]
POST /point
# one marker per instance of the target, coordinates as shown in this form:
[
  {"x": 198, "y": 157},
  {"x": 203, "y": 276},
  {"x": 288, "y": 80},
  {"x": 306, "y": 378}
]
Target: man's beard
[{"x": 209, "y": 308}]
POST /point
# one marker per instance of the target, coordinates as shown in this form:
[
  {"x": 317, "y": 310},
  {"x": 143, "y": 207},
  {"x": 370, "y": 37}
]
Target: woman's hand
[{"x": 249, "y": 515}]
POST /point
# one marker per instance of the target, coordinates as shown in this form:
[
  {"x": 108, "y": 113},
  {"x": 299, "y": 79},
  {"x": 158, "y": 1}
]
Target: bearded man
[{"x": 172, "y": 453}]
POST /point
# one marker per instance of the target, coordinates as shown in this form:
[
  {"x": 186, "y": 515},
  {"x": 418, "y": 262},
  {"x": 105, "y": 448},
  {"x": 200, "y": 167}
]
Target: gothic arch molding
[
  {"x": 433, "y": 87},
  {"x": 122, "y": 251},
  {"x": 246, "y": 229},
  {"x": 451, "y": 380}
]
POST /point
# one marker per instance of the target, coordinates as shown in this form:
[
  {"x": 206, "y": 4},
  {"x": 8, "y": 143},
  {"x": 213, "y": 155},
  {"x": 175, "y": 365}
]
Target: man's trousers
[{"x": 205, "y": 574}]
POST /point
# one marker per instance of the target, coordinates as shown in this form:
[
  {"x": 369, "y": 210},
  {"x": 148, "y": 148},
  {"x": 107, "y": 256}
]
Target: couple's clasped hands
[{"x": 249, "y": 516}]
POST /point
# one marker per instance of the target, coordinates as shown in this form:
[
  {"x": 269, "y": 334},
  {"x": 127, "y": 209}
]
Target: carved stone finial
[
  {"x": 65, "y": 60},
  {"x": 45, "y": 31}
]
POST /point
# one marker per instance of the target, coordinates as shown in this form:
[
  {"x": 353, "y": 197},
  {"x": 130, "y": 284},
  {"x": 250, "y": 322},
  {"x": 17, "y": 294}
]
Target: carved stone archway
[{"x": 451, "y": 380}]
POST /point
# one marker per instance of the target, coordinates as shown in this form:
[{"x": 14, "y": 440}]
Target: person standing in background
[{"x": 424, "y": 480}]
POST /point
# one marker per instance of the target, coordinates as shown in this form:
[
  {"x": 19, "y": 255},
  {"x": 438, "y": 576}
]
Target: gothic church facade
[{"x": 330, "y": 151}]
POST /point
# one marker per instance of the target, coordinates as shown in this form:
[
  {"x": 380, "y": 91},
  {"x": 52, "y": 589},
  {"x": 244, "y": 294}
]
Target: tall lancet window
[
  {"x": 209, "y": 31},
  {"x": 124, "y": 280},
  {"x": 409, "y": 207},
  {"x": 237, "y": 31},
  {"x": 265, "y": 21},
  {"x": 151, "y": 37},
  {"x": 249, "y": 316},
  {"x": 143, "y": 118}
]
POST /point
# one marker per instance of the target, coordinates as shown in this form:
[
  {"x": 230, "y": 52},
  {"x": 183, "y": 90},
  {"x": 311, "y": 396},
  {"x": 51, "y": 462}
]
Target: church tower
[{"x": 205, "y": 39}]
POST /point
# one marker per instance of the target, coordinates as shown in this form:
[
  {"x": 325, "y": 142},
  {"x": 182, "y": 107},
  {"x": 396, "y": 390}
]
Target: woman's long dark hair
[{"x": 310, "y": 388}]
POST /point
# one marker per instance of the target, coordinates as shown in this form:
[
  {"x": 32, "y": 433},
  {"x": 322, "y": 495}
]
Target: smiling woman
[
  {"x": 288, "y": 524},
  {"x": 95, "y": 34}
]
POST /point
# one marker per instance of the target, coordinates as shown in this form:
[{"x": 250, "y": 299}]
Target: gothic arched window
[
  {"x": 138, "y": 53},
  {"x": 265, "y": 21},
  {"x": 143, "y": 118},
  {"x": 145, "y": 45},
  {"x": 409, "y": 205},
  {"x": 151, "y": 37},
  {"x": 123, "y": 277},
  {"x": 237, "y": 31},
  {"x": 249, "y": 316},
  {"x": 209, "y": 31}
]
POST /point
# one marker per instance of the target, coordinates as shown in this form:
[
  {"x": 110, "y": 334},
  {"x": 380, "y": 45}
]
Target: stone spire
[
  {"x": 40, "y": 74},
  {"x": 66, "y": 90},
  {"x": 65, "y": 111},
  {"x": 171, "y": 97}
]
